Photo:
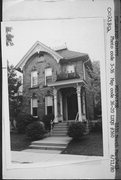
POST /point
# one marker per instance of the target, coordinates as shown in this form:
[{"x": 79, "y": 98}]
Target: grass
[
  {"x": 90, "y": 145},
  {"x": 19, "y": 142}
]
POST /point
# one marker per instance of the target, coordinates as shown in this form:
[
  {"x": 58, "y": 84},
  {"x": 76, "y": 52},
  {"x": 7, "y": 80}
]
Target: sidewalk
[
  {"x": 34, "y": 154},
  {"x": 23, "y": 157},
  {"x": 30, "y": 156}
]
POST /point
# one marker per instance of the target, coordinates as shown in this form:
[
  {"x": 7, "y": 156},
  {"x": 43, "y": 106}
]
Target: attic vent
[
  {"x": 34, "y": 68},
  {"x": 41, "y": 57}
]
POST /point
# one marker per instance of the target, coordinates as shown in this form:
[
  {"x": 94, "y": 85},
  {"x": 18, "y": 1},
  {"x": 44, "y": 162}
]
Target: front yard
[
  {"x": 90, "y": 145},
  {"x": 19, "y": 142}
]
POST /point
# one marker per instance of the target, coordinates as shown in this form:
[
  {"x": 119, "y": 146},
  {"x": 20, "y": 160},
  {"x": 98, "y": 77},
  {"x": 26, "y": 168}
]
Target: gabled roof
[
  {"x": 37, "y": 47},
  {"x": 62, "y": 55},
  {"x": 67, "y": 54}
]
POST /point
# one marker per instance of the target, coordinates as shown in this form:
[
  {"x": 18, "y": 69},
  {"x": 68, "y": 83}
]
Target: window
[
  {"x": 34, "y": 107},
  {"x": 48, "y": 105},
  {"x": 48, "y": 75},
  {"x": 70, "y": 69},
  {"x": 34, "y": 78}
]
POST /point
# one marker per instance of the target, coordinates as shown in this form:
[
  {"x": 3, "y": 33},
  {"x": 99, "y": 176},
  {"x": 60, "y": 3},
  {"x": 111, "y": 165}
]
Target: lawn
[
  {"x": 90, "y": 145},
  {"x": 19, "y": 142}
]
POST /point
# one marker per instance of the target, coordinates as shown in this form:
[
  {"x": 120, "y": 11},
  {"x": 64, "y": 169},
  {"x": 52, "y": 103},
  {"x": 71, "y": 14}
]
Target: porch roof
[{"x": 67, "y": 82}]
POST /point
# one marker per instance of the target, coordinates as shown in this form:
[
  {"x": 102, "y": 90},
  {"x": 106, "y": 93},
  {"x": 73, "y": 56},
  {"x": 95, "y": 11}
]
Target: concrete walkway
[
  {"x": 37, "y": 154},
  {"x": 51, "y": 144},
  {"x": 55, "y": 140}
]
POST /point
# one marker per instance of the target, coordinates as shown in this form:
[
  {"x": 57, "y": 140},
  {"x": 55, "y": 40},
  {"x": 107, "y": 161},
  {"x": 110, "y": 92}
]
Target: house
[{"x": 57, "y": 81}]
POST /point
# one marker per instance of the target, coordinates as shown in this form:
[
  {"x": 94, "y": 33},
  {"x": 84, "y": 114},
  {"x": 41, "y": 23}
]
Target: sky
[{"x": 84, "y": 35}]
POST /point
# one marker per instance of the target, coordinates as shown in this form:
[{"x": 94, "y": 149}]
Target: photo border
[{"x": 107, "y": 142}]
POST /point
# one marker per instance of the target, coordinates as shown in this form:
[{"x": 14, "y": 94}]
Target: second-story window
[
  {"x": 70, "y": 69},
  {"x": 48, "y": 75},
  {"x": 34, "y": 78}
]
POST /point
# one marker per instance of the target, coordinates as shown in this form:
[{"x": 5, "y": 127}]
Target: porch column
[
  {"x": 55, "y": 105},
  {"x": 79, "y": 102},
  {"x": 61, "y": 106}
]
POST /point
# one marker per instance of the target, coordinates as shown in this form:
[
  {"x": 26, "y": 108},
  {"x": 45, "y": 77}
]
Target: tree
[
  {"x": 14, "y": 99},
  {"x": 97, "y": 87},
  {"x": 9, "y": 37}
]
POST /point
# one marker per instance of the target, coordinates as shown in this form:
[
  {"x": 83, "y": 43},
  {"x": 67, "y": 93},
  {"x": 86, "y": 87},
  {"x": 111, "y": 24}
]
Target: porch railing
[
  {"x": 77, "y": 117},
  {"x": 65, "y": 76}
]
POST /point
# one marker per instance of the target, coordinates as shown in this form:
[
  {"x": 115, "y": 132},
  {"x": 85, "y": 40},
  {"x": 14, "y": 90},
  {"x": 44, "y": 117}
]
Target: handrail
[
  {"x": 51, "y": 126},
  {"x": 77, "y": 115}
]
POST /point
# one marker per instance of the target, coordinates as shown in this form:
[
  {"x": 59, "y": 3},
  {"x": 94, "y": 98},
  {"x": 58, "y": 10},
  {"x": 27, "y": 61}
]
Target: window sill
[
  {"x": 34, "y": 87},
  {"x": 35, "y": 116}
]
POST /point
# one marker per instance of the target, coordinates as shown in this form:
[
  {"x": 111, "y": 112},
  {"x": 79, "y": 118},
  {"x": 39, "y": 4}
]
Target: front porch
[{"x": 69, "y": 101}]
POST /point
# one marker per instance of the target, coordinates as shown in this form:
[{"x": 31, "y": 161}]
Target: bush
[
  {"x": 76, "y": 130},
  {"x": 47, "y": 121},
  {"x": 97, "y": 127},
  {"x": 35, "y": 130},
  {"x": 22, "y": 121}
]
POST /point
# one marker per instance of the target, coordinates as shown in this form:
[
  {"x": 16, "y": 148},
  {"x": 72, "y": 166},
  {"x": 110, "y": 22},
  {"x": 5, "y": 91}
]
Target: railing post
[
  {"x": 79, "y": 102},
  {"x": 55, "y": 105}
]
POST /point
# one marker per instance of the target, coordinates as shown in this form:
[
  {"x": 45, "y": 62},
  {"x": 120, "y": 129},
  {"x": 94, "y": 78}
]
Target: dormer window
[
  {"x": 34, "y": 78},
  {"x": 48, "y": 75},
  {"x": 70, "y": 69}
]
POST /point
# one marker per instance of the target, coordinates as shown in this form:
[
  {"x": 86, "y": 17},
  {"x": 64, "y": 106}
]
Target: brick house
[{"x": 57, "y": 81}]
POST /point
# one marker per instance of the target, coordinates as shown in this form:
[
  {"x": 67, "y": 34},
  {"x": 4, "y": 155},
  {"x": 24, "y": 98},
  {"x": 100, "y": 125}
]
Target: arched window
[
  {"x": 34, "y": 78},
  {"x": 48, "y": 105},
  {"x": 34, "y": 107},
  {"x": 48, "y": 75}
]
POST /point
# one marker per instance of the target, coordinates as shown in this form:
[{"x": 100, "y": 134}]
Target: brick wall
[
  {"x": 41, "y": 91},
  {"x": 39, "y": 64}
]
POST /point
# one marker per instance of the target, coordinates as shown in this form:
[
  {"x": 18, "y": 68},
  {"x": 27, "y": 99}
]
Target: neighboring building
[{"x": 57, "y": 81}]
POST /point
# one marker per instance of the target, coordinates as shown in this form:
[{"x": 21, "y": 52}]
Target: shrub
[
  {"x": 97, "y": 127},
  {"x": 22, "y": 121},
  {"x": 76, "y": 130},
  {"x": 47, "y": 121},
  {"x": 35, "y": 130}
]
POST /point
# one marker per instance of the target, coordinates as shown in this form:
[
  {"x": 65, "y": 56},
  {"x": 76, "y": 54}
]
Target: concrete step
[
  {"x": 58, "y": 135},
  {"x": 46, "y": 147},
  {"x": 59, "y": 130},
  {"x": 43, "y": 151},
  {"x": 59, "y": 126},
  {"x": 48, "y": 144}
]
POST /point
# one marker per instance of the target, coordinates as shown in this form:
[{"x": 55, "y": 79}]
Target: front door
[{"x": 72, "y": 106}]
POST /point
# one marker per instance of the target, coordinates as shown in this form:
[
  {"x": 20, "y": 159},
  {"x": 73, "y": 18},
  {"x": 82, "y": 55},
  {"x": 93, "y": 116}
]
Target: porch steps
[
  {"x": 48, "y": 147},
  {"x": 50, "y": 144},
  {"x": 60, "y": 129}
]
